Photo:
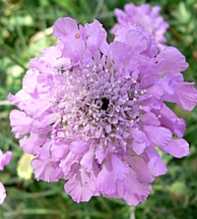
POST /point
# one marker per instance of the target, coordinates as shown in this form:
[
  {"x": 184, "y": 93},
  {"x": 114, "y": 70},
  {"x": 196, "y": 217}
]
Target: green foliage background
[{"x": 24, "y": 31}]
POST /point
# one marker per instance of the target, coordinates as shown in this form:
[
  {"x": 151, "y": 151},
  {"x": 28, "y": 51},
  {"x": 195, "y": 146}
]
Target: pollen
[{"x": 77, "y": 35}]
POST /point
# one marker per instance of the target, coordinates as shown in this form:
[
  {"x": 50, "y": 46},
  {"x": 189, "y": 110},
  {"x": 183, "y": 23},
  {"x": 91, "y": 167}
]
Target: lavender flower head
[
  {"x": 94, "y": 114},
  {"x": 5, "y": 159},
  {"x": 144, "y": 16}
]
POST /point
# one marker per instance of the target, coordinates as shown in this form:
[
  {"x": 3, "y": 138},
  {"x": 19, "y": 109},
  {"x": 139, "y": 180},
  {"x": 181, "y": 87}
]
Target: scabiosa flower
[
  {"x": 5, "y": 159},
  {"x": 94, "y": 114},
  {"x": 144, "y": 16}
]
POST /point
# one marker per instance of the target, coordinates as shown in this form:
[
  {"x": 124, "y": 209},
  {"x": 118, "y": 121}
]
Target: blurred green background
[{"x": 25, "y": 28}]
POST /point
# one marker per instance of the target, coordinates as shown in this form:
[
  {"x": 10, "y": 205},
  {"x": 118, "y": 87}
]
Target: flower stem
[{"x": 132, "y": 212}]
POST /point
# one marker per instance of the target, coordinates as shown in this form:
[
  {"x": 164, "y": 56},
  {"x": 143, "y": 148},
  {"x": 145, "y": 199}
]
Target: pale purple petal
[
  {"x": 63, "y": 27},
  {"x": 5, "y": 159},
  {"x": 170, "y": 61},
  {"x": 187, "y": 95},
  {"x": 20, "y": 122},
  {"x": 48, "y": 171},
  {"x": 81, "y": 187},
  {"x": 157, "y": 166},
  {"x": 158, "y": 135},
  {"x": 177, "y": 147},
  {"x": 2, "y": 193},
  {"x": 140, "y": 141},
  {"x": 96, "y": 36}
]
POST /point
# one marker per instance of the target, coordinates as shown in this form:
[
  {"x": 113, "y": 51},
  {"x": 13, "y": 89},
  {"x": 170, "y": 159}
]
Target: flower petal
[
  {"x": 2, "y": 193},
  {"x": 64, "y": 27},
  {"x": 177, "y": 147},
  {"x": 159, "y": 136}
]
